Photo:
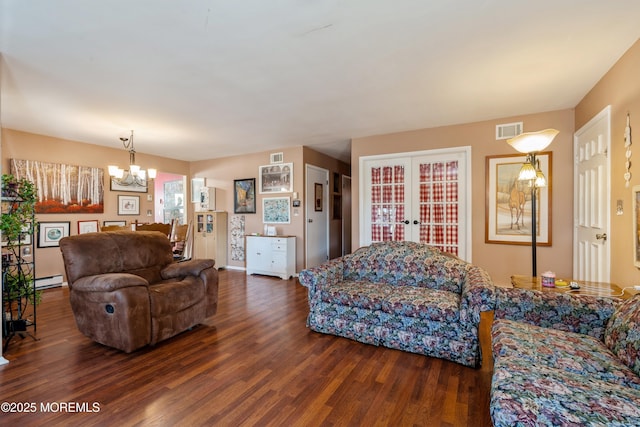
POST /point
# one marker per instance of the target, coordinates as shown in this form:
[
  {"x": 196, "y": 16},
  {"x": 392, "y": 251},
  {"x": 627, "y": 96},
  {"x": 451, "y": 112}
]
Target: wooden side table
[{"x": 597, "y": 289}]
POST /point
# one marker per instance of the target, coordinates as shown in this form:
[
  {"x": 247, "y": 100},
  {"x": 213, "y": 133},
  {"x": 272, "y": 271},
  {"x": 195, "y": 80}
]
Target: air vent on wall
[
  {"x": 277, "y": 158},
  {"x": 508, "y": 130}
]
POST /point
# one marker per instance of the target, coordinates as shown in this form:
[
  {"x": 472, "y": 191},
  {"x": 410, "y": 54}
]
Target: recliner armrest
[
  {"x": 186, "y": 268},
  {"x": 107, "y": 282}
]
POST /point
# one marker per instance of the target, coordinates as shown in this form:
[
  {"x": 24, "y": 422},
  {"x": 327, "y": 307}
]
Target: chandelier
[{"x": 134, "y": 175}]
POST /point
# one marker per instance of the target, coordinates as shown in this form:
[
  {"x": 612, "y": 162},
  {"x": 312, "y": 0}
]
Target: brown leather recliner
[{"x": 126, "y": 291}]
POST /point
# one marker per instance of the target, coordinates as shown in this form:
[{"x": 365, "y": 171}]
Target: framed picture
[
  {"x": 276, "y": 178},
  {"x": 317, "y": 196},
  {"x": 244, "y": 195},
  {"x": 128, "y": 205},
  {"x": 88, "y": 226},
  {"x": 196, "y": 188},
  {"x": 114, "y": 223},
  {"x": 636, "y": 225},
  {"x": 24, "y": 236},
  {"x": 508, "y": 216},
  {"x": 275, "y": 210},
  {"x": 50, "y": 233},
  {"x": 87, "y": 183},
  {"x": 128, "y": 183}
]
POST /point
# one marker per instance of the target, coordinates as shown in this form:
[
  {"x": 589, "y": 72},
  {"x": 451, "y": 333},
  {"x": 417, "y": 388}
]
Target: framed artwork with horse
[{"x": 508, "y": 215}]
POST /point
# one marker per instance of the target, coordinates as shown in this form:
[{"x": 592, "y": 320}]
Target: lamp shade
[
  {"x": 531, "y": 142},
  {"x": 527, "y": 172}
]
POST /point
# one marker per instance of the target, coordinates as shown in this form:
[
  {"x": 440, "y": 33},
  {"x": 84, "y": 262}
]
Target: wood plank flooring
[{"x": 252, "y": 364}]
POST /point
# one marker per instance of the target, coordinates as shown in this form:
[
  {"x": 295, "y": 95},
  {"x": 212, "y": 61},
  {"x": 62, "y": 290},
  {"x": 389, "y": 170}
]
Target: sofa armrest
[
  {"x": 107, "y": 282},
  {"x": 478, "y": 294},
  {"x": 322, "y": 276},
  {"x": 186, "y": 268},
  {"x": 567, "y": 312}
]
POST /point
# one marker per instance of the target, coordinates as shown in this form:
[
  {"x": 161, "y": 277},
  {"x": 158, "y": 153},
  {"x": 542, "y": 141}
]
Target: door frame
[
  {"x": 466, "y": 181},
  {"x": 605, "y": 113},
  {"x": 308, "y": 206}
]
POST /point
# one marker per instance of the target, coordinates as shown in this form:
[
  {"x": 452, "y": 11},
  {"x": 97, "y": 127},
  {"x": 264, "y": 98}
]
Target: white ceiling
[{"x": 201, "y": 79}]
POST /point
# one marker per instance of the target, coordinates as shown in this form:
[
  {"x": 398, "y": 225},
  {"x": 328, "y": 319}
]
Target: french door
[{"x": 422, "y": 197}]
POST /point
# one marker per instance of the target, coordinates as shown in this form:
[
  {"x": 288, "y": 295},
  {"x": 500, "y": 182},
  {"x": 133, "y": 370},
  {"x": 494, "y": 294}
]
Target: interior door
[
  {"x": 439, "y": 201},
  {"x": 317, "y": 216},
  {"x": 422, "y": 197},
  {"x": 591, "y": 148}
]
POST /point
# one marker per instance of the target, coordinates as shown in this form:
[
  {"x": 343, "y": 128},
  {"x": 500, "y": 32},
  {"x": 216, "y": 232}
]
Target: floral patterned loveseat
[
  {"x": 565, "y": 360},
  {"x": 401, "y": 295}
]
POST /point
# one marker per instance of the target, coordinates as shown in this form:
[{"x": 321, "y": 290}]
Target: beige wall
[
  {"x": 221, "y": 172},
  {"x": 22, "y": 145},
  {"x": 620, "y": 88},
  {"x": 315, "y": 158},
  {"x": 500, "y": 260}
]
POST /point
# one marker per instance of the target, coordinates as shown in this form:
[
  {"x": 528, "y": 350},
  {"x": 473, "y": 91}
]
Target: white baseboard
[
  {"x": 49, "y": 282},
  {"x": 233, "y": 267}
]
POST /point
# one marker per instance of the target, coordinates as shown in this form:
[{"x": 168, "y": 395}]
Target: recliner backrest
[{"x": 144, "y": 253}]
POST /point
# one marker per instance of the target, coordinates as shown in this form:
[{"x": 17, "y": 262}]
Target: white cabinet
[
  {"x": 271, "y": 255},
  {"x": 210, "y": 237}
]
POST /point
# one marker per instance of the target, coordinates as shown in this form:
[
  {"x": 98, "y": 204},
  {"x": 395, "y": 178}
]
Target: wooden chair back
[
  {"x": 156, "y": 226},
  {"x": 115, "y": 228}
]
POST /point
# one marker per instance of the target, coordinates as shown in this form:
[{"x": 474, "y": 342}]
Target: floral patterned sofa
[
  {"x": 562, "y": 359},
  {"x": 401, "y": 295}
]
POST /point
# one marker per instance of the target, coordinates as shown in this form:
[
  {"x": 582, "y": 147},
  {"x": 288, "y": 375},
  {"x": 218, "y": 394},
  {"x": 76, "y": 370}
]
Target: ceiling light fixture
[{"x": 134, "y": 175}]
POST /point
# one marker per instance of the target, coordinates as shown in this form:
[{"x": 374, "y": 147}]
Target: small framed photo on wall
[
  {"x": 89, "y": 226},
  {"x": 50, "y": 233},
  {"x": 128, "y": 205}
]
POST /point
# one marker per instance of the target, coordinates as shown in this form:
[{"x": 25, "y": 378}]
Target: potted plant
[{"x": 17, "y": 225}]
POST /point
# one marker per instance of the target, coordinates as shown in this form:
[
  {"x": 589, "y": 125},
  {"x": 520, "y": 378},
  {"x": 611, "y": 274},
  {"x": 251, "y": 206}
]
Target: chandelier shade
[{"x": 134, "y": 175}]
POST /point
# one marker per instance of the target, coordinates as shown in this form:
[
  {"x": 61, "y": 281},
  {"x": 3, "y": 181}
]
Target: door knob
[
  {"x": 309, "y": 220},
  {"x": 406, "y": 221},
  {"x": 416, "y": 222},
  {"x": 601, "y": 236}
]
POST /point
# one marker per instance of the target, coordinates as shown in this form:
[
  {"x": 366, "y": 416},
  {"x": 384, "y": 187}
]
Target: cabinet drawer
[{"x": 279, "y": 244}]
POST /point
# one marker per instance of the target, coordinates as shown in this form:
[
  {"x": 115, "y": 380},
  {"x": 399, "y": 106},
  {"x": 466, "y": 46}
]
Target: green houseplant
[{"x": 17, "y": 225}]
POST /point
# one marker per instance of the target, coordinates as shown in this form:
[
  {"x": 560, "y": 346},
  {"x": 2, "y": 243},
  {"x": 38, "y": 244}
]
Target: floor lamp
[{"x": 531, "y": 143}]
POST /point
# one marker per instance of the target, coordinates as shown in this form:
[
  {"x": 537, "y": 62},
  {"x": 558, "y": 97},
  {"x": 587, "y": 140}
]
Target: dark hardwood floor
[{"x": 253, "y": 363}]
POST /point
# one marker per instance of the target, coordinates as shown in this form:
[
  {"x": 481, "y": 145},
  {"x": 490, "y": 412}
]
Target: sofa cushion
[
  {"x": 406, "y": 264},
  {"x": 622, "y": 334},
  {"x": 566, "y": 351},
  {"x": 425, "y": 303},
  {"x": 527, "y": 394},
  {"x": 357, "y": 294},
  {"x": 171, "y": 296}
]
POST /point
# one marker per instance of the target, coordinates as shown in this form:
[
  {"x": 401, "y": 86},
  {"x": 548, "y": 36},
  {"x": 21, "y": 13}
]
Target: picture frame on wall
[
  {"x": 276, "y": 178},
  {"x": 276, "y": 210},
  {"x": 50, "y": 233},
  {"x": 244, "y": 195},
  {"x": 128, "y": 183},
  {"x": 24, "y": 236},
  {"x": 88, "y": 226},
  {"x": 318, "y": 191},
  {"x": 508, "y": 201},
  {"x": 117, "y": 223},
  {"x": 636, "y": 225},
  {"x": 197, "y": 184},
  {"x": 128, "y": 205}
]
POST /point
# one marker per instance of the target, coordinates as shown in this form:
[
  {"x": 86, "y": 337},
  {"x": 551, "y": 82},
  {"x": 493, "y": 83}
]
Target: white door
[
  {"x": 591, "y": 181},
  {"x": 422, "y": 197},
  {"x": 317, "y": 216}
]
